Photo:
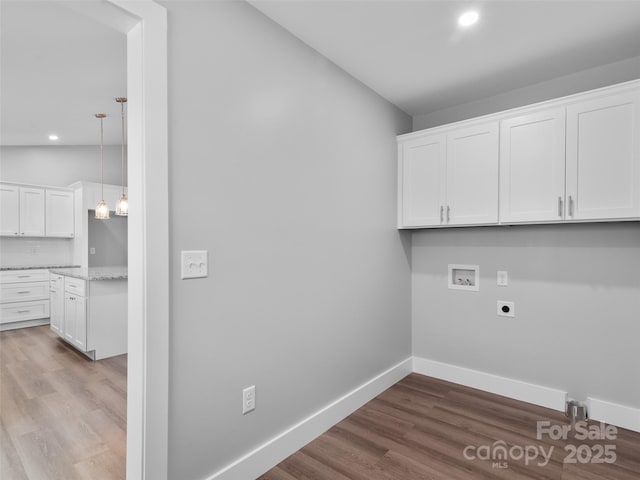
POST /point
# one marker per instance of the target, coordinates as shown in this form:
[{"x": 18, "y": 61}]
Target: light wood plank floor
[
  {"x": 62, "y": 416},
  {"x": 419, "y": 429}
]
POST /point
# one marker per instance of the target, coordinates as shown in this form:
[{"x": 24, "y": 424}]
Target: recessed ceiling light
[
  {"x": 468, "y": 18},
  {"x": 53, "y": 137}
]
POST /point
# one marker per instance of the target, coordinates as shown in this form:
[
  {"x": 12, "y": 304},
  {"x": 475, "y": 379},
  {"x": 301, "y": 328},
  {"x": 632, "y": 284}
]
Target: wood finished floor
[
  {"x": 418, "y": 430},
  {"x": 62, "y": 416}
]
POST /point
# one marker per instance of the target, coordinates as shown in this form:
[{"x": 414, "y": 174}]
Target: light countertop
[
  {"x": 35, "y": 267},
  {"x": 93, "y": 273}
]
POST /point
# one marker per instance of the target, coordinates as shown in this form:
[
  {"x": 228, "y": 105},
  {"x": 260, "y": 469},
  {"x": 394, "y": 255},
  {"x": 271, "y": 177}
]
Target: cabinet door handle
[
  {"x": 448, "y": 213},
  {"x": 26, "y": 291},
  {"x": 560, "y": 206},
  {"x": 441, "y": 213},
  {"x": 24, "y": 311},
  {"x": 570, "y": 206},
  {"x": 24, "y": 276}
]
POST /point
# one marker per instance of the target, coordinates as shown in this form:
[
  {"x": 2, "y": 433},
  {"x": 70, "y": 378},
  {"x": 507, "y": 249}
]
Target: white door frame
[{"x": 148, "y": 360}]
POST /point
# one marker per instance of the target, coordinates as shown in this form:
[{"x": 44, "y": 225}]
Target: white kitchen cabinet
[
  {"x": 9, "y": 210},
  {"x": 423, "y": 167},
  {"x": 532, "y": 167},
  {"x": 56, "y": 301},
  {"x": 94, "y": 317},
  {"x": 472, "y": 175},
  {"x": 29, "y": 211},
  {"x": 22, "y": 211},
  {"x": 572, "y": 159},
  {"x": 449, "y": 178},
  {"x": 32, "y": 212},
  {"x": 59, "y": 214},
  {"x": 603, "y": 158},
  {"x": 24, "y": 298},
  {"x": 75, "y": 313}
]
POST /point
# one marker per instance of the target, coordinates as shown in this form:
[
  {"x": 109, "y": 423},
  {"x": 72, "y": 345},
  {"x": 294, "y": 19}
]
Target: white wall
[
  {"x": 284, "y": 168},
  {"x": 35, "y": 251},
  {"x": 581, "y": 81},
  {"x": 59, "y": 166}
]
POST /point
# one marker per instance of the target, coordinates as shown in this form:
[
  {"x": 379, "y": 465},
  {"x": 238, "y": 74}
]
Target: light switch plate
[
  {"x": 503, "y": 278},
  {"x": 194, "y": 264}
]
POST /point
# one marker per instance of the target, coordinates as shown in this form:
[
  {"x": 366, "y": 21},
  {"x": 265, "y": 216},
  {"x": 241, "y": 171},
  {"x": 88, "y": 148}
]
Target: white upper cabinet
[
  {"x": 32, "y": 212},
  {"x": 472, "y": 175},
  {"x": 603, "y": 158},
  {"x": 532, "y": 167},
  {"x": 9, "y": 210},
  {"x": 36, "y": 212},
  {"x": 449, "y": 178},
  {"x": 59, "y": 214},
  {"x": 423, "y": 168},
  {"x": 573, "y": 159}
]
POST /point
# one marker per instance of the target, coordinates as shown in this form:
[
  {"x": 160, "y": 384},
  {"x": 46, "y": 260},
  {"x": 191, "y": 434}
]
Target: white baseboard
[
  {"x": 507, "y": 387},
  {"x": 255, "y": 463},
  {"x": 614, "y": 414}
]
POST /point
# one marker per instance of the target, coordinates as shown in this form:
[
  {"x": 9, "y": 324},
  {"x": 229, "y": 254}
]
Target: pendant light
[
  {"x": 122, "y": 208},
  {"x": 102, "y": 210}
]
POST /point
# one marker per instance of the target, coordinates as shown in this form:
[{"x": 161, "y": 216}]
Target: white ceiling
[
  {"x": 414, "y": 54},
  {"x": 59, "y": 68}
]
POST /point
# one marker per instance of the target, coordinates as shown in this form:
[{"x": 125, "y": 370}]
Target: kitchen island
[{"x": 89, "y": 309}]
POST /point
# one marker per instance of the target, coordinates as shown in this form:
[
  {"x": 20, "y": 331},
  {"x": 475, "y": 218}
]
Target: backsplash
[{"x": 35, "y": 251}]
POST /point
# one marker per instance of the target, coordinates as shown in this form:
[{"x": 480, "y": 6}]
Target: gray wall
[
  {"x": 109, "y": 238},
  {"x": 577, "y": 296},
  {"x": 284, "y": 168},
  {"x": 576, "y": 290},
  {"x": 59, "y": 166},
  {"x": 602, "y": 76}
]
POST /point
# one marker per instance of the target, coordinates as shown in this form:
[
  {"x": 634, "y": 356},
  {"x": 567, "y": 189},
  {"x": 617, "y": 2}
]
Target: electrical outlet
[
  {"x": 506, "y": 309},
  {"x": 248, "y": 399},
  {"x": 194, "y": 264},
  {"x": 92, "y": 251}
]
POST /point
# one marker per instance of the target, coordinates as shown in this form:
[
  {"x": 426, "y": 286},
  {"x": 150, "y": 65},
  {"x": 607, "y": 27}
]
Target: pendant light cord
[
  {"x": 122, "y": 128},
  {"x": 101, "y": 160}
]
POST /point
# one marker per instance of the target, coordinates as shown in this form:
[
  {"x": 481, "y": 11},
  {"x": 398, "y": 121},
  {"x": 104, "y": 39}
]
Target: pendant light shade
[
  {"x": 102, "y": 209},
  {"x": 122, "y": 208}
]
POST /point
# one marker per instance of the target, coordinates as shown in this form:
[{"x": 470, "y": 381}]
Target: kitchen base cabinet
[
  {"x": 24, "y": 298},
  {"x": 95, "y": 316}
]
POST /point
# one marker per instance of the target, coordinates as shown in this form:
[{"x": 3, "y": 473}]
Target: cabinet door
[
  {"x": 422, "y": 181},
  {"x": 9, "y": 210},
  {"x": 80, "y": 340},
  {"x": 59, "y": 214},
  {"x": 472, "y": 175},
  {"x": 603, "y": 158},
  {"x": 532, "y": 162},
  {"x": 31, "y": 212},
  {"x": 56, "y": 300},
  {"x": 69, "y": 317},
  {"x": 75, "y": 321}
]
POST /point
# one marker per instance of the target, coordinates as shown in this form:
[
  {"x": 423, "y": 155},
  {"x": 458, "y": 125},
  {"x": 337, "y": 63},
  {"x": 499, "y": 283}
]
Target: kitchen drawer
[
  {"x": 20, "y": 276},
  {"x": 17, "y": 312},
  {"x": 24, "y": 292},
  {"x": 74, "y": 285}
]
